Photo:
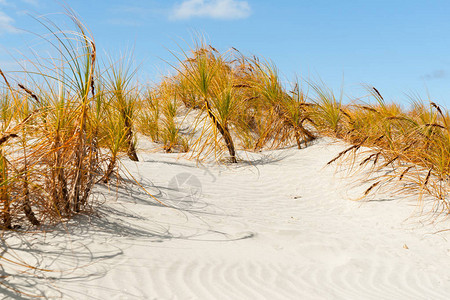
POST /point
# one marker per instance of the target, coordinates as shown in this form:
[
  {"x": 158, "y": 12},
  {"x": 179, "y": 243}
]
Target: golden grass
[
  {"x": 412, "y": 146},
  {"x": 240, "y": 102},
  {"x": 250, "y": 109},
  {"x": 64, "y": 126}
]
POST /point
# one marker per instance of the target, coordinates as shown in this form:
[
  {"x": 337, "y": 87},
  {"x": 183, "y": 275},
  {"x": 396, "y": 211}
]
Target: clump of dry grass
[
  {"x": 123, "y": 101},
  {"x": 239, "y": 101},
  {"x": 159, "y": 118},
  {"x": 50, "y": 132},
  {"x": 149, "y": 118},
  {"x": 63, "y": 122},
  {"x": 282, "y": 115},
  {"x": 208, "y": 75},
  {"x": 407, "y": 151}
]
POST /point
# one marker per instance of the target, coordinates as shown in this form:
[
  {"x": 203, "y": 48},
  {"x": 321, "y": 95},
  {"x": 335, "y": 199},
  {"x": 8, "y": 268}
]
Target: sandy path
[{"x": 279, "y": 228}]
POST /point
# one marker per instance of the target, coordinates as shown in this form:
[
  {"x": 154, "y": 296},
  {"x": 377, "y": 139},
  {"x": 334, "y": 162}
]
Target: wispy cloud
[
  {"x": 6, "y": 24},
  {"x": 215, "y": 9},
  {"x": 437, "y": 74},
  {"x": 9, "y": 8}
]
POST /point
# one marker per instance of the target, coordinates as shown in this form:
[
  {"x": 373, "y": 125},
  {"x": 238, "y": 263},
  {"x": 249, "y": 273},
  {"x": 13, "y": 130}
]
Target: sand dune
[{"x": 278, "y": 226}]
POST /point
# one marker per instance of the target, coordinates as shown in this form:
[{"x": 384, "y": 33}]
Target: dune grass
[
  {"x": 239, "y": 99},
  {"x": 250, "y": 109},
  {"x": 407, "y": 151},
  {"x": 50, "y": 167},
  {"x": 65, "y": 125}
]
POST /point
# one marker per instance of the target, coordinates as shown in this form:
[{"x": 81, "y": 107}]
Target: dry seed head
[
  {"x": 369, "y": 108},
  {"x": 376, "y": 158},
  {"x": 427, "y": 178},
  {"x": 407, "y": 147},
  {"x": 379, "y": 138},
  {"x": 397, "y": 118},
  {"x": 378, "y": 93},
  {"x": 350, "y": 131},
  {"x": 29, "y": 92},
  {"x": 241, "y": 86},
  {"x": 213, "y": 49},
  {"x": 435, "y": 125},
  {"x": 404, "y": 172},
  {"x": 371, "y": 187},
  {"x": 251, "y": 98},
  {"x": 342, "y": 153},
  {"x": 5, "y": 138},
  {"x": 391, "y": 161},
  {"x": 4, "y": 78},
  {"x": 437, "y": 107},
  {"x": 367, "y": 159},
  {"x": 345, "y": 114}
]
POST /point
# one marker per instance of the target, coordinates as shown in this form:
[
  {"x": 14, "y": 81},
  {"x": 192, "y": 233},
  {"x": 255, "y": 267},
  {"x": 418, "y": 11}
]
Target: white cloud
[
  {"x": 9, "y": 8},
  {"x": 6, "y": 23},
  {"x": 216, "y": 9}
]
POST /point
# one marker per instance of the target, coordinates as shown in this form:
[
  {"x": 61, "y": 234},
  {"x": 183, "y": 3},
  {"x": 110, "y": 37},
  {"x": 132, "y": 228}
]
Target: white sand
[{"x": 280, "y": 227}]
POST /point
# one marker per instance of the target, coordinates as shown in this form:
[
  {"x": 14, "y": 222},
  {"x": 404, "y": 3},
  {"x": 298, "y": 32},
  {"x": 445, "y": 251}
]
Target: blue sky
[{"x": 400, "y": 47}]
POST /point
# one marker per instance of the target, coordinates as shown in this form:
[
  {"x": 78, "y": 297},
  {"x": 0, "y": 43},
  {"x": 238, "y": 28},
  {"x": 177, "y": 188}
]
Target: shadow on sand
[{"x": 43, "y": 263}]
